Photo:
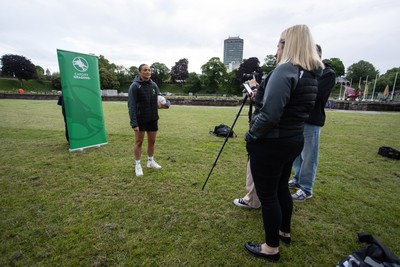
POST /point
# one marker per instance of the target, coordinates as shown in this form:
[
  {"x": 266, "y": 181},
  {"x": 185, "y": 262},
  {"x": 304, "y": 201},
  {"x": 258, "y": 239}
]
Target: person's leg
[
  {"x": 271, "y": 163},
  {"x": 266, "y": 169},
  {"x": 284, "y": 196},
  {"x": 139, "y": 137},
  {"x": 309, "y": 154},
  {"x": 65, "y": 122},
  {"x": 285, "y": 199},
  {"x": 296, "y": 168},
  {"x": 251, "y": 197},
  {"x": 151, "y": 141}
]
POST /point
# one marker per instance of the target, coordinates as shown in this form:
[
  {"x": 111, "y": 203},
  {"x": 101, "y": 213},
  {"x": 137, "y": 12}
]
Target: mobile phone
[{"x": 248, "y": 89}]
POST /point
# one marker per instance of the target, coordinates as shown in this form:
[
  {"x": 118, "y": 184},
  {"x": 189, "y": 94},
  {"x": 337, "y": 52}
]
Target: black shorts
[{"x": 151, "y": 126}]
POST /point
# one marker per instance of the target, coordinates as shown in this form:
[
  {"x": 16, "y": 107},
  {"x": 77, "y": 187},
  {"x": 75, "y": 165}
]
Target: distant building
[
  {"x": 109, "y": 92},
  {"x": 342, "y": 80},
  {"x": 233, "y": 53}
]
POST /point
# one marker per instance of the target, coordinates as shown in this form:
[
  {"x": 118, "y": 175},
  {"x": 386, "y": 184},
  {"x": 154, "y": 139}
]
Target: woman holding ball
[{"x": 143, "y": 112}]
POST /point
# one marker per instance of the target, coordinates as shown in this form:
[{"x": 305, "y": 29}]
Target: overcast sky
[{"x": 131, "y": 32}]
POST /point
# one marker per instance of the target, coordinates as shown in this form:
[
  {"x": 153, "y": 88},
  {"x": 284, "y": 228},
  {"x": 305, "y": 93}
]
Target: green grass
[
  {"x": 88, "y": 209},
  {"x": 9, "y": 84},
  {"x": 12, "y": 85}
]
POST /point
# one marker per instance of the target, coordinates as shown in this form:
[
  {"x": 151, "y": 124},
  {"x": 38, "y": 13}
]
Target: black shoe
[
  {"x": 255, "y": 249},
  {"x": 285, "y": 239}
]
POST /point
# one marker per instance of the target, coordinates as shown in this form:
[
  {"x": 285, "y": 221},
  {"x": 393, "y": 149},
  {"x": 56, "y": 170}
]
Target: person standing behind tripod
[
  {"x": 275, "y": 137},
  {"x": 305, "y": 165},
  {"x": 250, "y": 200}
]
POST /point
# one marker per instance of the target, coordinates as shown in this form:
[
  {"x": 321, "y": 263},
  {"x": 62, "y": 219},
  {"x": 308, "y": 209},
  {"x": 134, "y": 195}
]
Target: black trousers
[
  {"x": 65, "y": 122},
  {"x": 271, "y": 163}
]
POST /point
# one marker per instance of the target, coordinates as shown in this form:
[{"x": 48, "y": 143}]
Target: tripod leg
[{"x": 226, "y": 140}]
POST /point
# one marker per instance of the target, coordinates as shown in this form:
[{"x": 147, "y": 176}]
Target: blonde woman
[{"x": 275, "y": 137}]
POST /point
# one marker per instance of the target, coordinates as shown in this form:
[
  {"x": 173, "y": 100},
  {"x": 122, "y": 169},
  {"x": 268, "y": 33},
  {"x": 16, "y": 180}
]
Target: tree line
[{"x": 214, "y": 77}]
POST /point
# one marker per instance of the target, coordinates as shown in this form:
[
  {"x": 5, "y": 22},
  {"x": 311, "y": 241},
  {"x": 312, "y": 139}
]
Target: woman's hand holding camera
[{"x": 253, "y": 85}]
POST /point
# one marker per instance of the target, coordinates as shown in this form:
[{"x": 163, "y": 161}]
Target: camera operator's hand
[
  {"x": 248, "y": 137},
  {"x": 254, "y": 86},
  {"x": 253, "y": 83}
]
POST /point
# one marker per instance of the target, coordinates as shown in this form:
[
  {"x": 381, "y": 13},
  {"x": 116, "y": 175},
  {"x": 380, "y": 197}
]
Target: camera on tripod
[{"x": 249, "y": 76}]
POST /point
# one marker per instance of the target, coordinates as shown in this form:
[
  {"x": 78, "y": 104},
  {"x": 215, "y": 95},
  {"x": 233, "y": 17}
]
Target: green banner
[{"x": 82, "y": 99}]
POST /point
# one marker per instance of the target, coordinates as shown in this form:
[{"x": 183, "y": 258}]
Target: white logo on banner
[{"x": 80, "y": 64}]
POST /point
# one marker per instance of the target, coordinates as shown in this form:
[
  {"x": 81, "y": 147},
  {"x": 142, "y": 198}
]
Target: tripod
[{"x": 227, "y": 136}]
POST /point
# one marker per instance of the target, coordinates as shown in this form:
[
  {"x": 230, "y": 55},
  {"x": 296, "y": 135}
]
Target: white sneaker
[
  {"x": 240, "y": 203},
  {"x": 138, "y": 170},
  {"x": 153, "y": 165},
  {"x": 301, "y": 195}
]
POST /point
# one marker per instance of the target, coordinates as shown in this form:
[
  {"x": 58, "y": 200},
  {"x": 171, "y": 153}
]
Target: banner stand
[
  {"x": 82, "y": 148},
  {"x": 81, "y": 91}
]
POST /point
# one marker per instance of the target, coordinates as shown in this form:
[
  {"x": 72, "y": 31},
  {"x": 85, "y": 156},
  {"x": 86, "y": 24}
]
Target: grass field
[{"x": 88, "y": 209}]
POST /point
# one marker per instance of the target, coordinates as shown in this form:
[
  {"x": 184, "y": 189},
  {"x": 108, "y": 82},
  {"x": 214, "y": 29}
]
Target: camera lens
[{"x": 249, "y": 76}]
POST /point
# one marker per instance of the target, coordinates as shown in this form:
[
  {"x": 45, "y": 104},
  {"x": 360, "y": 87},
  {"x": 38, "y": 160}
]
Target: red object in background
[
  {"x": 21, "y": 91},
  {"x": 351, "y": 94}
]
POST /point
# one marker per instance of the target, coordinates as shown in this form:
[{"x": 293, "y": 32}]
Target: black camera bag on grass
[
  {"x": 223, "y": 130},
  {"x": 389, "y": 152},
  {"x": 373, "y": 254}
]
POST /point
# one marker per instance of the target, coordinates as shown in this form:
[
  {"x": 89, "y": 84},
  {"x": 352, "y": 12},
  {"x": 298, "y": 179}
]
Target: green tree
[
  {"x": 108, "y": 79},
  {"x": 39, "y": 72},
  {"x": 388, "y": 79},
  {"x": 104, "y": 63},
  {"x": 108, "y": 74},
  {"x": 337, "y": 66},
  {"x": 269, "y": 63},
  {"x": 48, "y": 74},
  {"x": 56, "y": 81},
  {"x": 192, "y": 84},
  {"x": 214, "y": 75},
  {"x": 179, "y": 72},
  {"x": 361, "y": 70},
  {"x": 123, "y": 75},
  {"x": 233, "y": 86},
  {"x": 159, "y": 72},
  {"x": 133, "y": 71},
  {"x": 18, "y": 67}
]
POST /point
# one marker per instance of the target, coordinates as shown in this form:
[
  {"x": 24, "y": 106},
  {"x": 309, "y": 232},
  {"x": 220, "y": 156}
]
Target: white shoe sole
[{"x": 237, "y": 203}]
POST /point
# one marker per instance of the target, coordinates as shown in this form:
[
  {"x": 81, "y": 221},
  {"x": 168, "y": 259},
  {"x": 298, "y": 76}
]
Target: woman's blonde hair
[{"x": 299, "y": 48}]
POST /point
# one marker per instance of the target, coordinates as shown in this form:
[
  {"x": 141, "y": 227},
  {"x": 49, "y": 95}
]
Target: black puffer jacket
[
  {"x": 142, "y": 101},
  {"x": 325, "y": 85},
  {"x": 289, "y": 97}
]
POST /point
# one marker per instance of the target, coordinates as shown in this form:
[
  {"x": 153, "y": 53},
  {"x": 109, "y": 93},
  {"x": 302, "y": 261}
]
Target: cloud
[{"x": 131, "y": 32}]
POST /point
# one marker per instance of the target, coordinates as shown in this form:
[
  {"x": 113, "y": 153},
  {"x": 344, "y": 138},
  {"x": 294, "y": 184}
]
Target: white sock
[
  {"x": 150, "y": 158},
  {"x": 137, "y": 162}
]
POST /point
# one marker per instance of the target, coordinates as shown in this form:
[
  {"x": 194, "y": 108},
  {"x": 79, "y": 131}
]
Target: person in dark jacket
[
  {"x": 250, "y": 200},
  {"x": 275, "y": 137},
  {"x": 61, "y": 103},
  {"x": 143, "y": 112},
  {"x": 305, "y": 165}
]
